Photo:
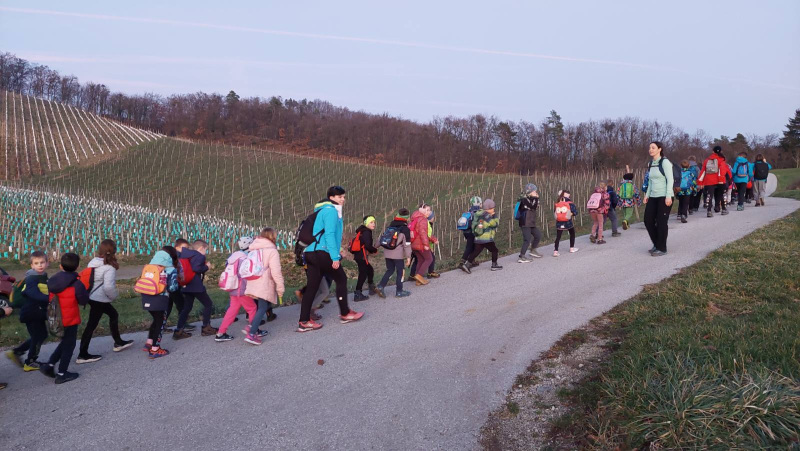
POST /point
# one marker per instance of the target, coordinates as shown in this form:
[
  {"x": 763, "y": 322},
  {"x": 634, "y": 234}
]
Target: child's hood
[
  {"x": 33, "y": 272},
  {"x": 162, "y": 258},
  {"x": 418, "y": 215},
  {"x": 262, "y": 243},
  {"x": 238, "y": 255},
  {"x": 741, "y": 160},
  {"x": 61, "y": 281},
  {"x": 96, "y": 262}
]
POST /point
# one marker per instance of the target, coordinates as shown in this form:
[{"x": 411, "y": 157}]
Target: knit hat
[
  {"x": 488, "y": 204},
  {"x": 403, "y": 214},
  {"x": 162, "y": 258},
  {"x": 245, "y": 242},
  {"x": 530, "y": 187},
  {"x": 628, "y": 176},
  {"x": 368, "y": 219},
  {"x": 717, "y": 149},
  {"x": 475, "y": 201}
]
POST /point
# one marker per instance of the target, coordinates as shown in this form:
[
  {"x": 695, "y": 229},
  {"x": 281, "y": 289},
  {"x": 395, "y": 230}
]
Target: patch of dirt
[{"x": 539, "y": 396}]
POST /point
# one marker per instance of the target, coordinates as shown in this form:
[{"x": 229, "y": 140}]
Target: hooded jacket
[
  {"x": 529, "y": 205},
  {"x": 71, "y": 293},
  {"x": 105, "y": 281},
  {"x": 473, "y": 209},
  {"x": 692, "y": 189},
  {"x": 270, "y": 285},
  {"x": 330, "y": 220},
  {"x": 238, "y": 255},
  {"x": 742, "y": 162},
  {"x": 160, "y": 302},
  {"x": 419, "y": 229},
  {"x": 36, "y": 300},
  {"x": 198, "y": 263},
  {"x": 711, "y": 179},
  {"x": 403, "y": 249},
  {"x": 484, "y": 226},
  {"x": 367, "y": 246}
]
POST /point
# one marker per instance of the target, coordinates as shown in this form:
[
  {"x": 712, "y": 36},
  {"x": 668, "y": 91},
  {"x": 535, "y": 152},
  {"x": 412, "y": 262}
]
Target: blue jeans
[
  {"x": 63, "y": 353},
  {"x": 263, "y": 306},
  {"x": 37, "y": 330},
  {"x": 392, "y": 266}
]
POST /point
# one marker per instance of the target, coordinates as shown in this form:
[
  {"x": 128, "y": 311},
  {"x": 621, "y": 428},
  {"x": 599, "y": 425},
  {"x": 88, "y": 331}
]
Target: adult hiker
[
  {"x": 760, "y": 173},
  {"x": 323, "y": 257},
  {"x": 531, "y": 235},
  {"x": 658, "y": 198},
  {"x": 714, "y": 176}
]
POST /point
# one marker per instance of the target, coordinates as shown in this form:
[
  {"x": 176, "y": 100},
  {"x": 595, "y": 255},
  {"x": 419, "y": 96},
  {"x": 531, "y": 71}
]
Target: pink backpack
[
  {"x": 595, "y": 201},
  {"x": 229, "y": 279},
  {"x": 252, "y": 267}
]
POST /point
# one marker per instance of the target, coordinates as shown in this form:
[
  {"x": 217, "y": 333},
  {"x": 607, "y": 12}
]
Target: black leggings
[
  {"x": 479, "y": 247},
  {"x": 714, "y": 196},
  {"x": 157, "y": 327},
  {"x": 176, "y": 298},
  {"x": 63, "y": 352},
  {"x": 656, "y": 216},
  {"x": 571, "y": 237},
  {"x": 741, "y": 189},
  {"x": 96, "y": 311},
  {"x": 365, "y": 273},
  {"x": 318, "y": 265},
  {"x": 470, "y": 245},
  {"x": 683, "y": 204}
]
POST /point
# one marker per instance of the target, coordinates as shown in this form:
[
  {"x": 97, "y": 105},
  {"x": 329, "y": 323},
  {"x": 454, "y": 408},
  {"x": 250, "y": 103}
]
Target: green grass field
[{"x": 788, "y": 183}]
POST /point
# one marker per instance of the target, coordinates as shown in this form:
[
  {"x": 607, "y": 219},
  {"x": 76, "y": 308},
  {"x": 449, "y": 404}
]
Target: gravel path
[{"x": 416, "y": 373}]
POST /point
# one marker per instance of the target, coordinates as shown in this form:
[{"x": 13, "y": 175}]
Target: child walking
[
  {"x": 176, "y": 298},
  {"x": 598, "y": 205},
  {"x": 565, "y": 211},
  {"x": 268, "y": 288},
  {"x": 238, "y": 297},
  {"x": 611, "y": 214},
  {"x": 398, "y": 255},
  {"x": 195, "y": 289},
  {"x": 71, "y": 294},
  {"x": 33, "y": 313},
  {"x": 484, "y": 227},
  {"x": 687, "y": 192},
  {"x": 361, "y": 247},
  {"x": 628, "y": 198},
  {"x": 164, "y": 266},
  {"x": 421, "y": 242},
  {"x": 531, "y": 235}
]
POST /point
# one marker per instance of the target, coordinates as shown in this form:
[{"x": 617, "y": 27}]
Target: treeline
[{"x": 476, "y": 142}]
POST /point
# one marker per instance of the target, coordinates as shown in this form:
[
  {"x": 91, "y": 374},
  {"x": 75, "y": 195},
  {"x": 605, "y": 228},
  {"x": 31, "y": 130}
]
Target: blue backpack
[
  {"x": 465, "y": 221},
  {"x": 518, "y": 215},
  {"x": 686, "y": 180}
]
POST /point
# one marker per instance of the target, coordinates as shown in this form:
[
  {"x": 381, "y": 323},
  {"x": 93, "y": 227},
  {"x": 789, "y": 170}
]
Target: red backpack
[
  {"x": 186, "y": 271},
  {"x": 87, "y": 278},
  {"x": 563, "y": 211},
  {"x": 355, "y": 245}
]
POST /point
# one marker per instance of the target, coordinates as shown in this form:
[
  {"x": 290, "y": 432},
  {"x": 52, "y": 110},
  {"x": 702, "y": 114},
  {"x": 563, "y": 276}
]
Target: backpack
[
  {"x": 355, "y": 245},
  {"x": 518, "y": 214},
  {"x": 712, "y": 166},
  {"x": 55, "y": 324},
  {"x": 761, "y": 170},
  {"x": 389, "y": 238},
  {"x": 595, "y": 201},
  {"x": 304, "y": 237},
  {"x": 686, "y": 180},
  {"x": 186, "y": 271},
  {"x": 252, "y": 267},
  {"x": 676, "y": 174},
  {"x": 740, "y": 167},
  {"x": 152, "y": 282},
  {"x": 17, "y": 299},
  {"x": 229, "y": 279},
  {"x": 465, "y": 221},
  {"x": 87, "y": 278},
  {"x": 563, "y": 212},
  {"x": 626, "y": 191}
]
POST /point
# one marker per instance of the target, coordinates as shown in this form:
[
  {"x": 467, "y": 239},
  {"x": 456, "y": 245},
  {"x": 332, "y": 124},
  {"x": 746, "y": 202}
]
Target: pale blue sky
[{"x": 721, "y": 66}]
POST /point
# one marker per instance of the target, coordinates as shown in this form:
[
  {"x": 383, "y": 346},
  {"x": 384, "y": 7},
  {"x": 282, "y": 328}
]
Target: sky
[{"x": 725, "y": 67}]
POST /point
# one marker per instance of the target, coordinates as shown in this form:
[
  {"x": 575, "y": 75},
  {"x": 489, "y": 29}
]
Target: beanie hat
[
  {"x": 530, "y": 187},
  {"x": 475, "y": 201},
  {"x": 245, "y": 242},
  {"x": 717, "y": 149},
  {"x": 488, "y": 204},
  {"x": 403, "y": 214},
  {"x": 628, "y": 176},
  {"x": 368, "y": 219}
]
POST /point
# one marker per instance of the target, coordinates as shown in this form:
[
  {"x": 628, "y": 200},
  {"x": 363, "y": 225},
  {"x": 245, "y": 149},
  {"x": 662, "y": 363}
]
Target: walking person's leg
[
  {"x": 742, "y": 190},
  {"x": 340, "y": 279},
  {"x": 398, "y": 268},
  {"x": 612, "y": 215},
  {"x": 558, "y": 239},
  {"x": 362, "y": 274},
  {"x": 388, "y": 274},
  {"x": 95, "y": 313},
  {"x": 493, "y": 250},
  {"x": 425, "y": 259},
  {"x": 230, "y": 314},
  {"x": 469, "y": 247},
  {"x": 572, "y": 238},
  {"x": 38, "y": 333},
  {"x": 208, "y": 305},
  {"x": 67, "y": 347},
  {"x": 709, "y": 195},
  {"x": 650, "y": 213},
  {"x": 313, "y": 280},
  {"x": 476, "y": 252},
  {"x": 662, "y": 226},
  {"x": 183, "y": 316},
  {"x": 263, "y": 305},
  {"x": 537, "y": 238},
  {"x": 113, "y": 323},
  {"x": 526, "y": 241}
]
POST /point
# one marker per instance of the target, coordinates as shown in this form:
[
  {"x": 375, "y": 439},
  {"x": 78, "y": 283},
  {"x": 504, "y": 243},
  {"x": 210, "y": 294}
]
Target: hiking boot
[
  {"x": 253, "y": 339},
  {"x": 66, "y": 376},
  {"x": 402, "y": 294},
  {"x": 124, "y": 344},
  {"x": 555, "y": 254},
  {"x": 271, "y": 316},
  {"x": 14, "y": 357},
  {"x": 762, "y": 202},
  {"x": 691, "y": 212},
  {"x": 758, "y": 203},
  {"x": 601, "y": 241},
  {"x": 522, "y": 259},
  {"x": 87, "y": 358},
  {"x": 189, "y": 327},
  {"x": 683, "y": 219},
  {"x": 740, "y": 208},
  {"x": 616, "y": 234},
  {"x": 658, "y": 253},
  {"x": 223, "y": 337},
  {"x": 373, "y": 289},
  {"x": 208, "y": 330},
  {"x": 421, "y": 280},
  {"x": 381, "y": 294},
  {"x": 465, "y": 267},
  {"x": 308, "y": 326},
  {"x": 180, "y": 335},
  {"x": 534, "y": 254},
  {"x": 592, "y": 238},
  {"x": 709, "y": 214},
  {"x": 47, "y": 369},
  {"x": 624, "y": 225},
  {"x": 724, "y": 211},
  {"x": 433, "y": 275},
  {"x": 359, "y": 296},
  {"x": 496, "y": 267},
  {"x": 160, "y": 352},
  {"x": 572, "y": 250},
  {"x": 350, "y": 317},
  {"x": 31, "y": 366}
]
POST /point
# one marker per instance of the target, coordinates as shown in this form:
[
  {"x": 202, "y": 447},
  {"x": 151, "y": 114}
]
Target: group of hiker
[{"x": 175, "y": 276}]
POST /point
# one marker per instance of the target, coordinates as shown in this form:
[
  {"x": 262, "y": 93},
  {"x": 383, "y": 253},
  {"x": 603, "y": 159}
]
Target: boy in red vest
[{"x": 71, "y": 294}]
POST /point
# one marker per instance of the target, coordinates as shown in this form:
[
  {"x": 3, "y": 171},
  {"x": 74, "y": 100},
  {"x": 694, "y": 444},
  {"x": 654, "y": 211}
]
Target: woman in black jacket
[{"x": 361, "y": 247}]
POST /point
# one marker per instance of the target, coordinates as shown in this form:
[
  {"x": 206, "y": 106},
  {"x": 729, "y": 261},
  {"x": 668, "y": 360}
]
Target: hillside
[{"x": 39, "y": 136}]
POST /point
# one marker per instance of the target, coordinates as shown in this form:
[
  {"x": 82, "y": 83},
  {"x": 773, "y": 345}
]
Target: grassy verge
[
  {"x": 709, "y": 358},
  {"x": 788, "y": 183}
]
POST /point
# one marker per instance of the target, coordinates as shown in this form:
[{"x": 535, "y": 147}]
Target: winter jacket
[
  {"x": 105, "y": 281},
  {"x": 692, "y": 188},
  {"x": 71, "y": 293},
  {"x": 367, "y": 246},
  {"x": 660, "y": 185},
  {"x": 473, "y": 209},
  {"x": 238, "y": 255},
  {"x": 419, "y": 229},
  {"x": 528, "y": 205},
  {"x": 743, "y": 163},
  {"x": 328, "y": 219},
  {"x": 694, "y": 168},
  {"x": 270, "y": 285},
  {"x": 769, "y": 167},
  {"x": 710, "y": 179},
  {"x": 612, "y": 198},
  {"x": 403, "y": 249},
  {"x": 606, "y": 204},
  {"x": 566, "y": 225},
  {"x": 484, "y": 226},
  {"x": 36, "y": 300},
  {"x": 198, "y": 263},
  {"x": 160, "y": 302}
]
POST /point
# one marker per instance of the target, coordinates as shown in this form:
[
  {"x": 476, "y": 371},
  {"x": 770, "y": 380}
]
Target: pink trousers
[{"x": 245, "y": 302}]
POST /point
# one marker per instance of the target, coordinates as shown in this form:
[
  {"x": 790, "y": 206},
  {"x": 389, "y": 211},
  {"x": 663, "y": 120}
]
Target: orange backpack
[
  {"x": 87, "y": 278},
  {"x": 152, "y": 282}
]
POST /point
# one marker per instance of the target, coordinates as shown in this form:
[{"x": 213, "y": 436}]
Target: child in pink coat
[
  {"x": 238, "y": 298},
  {"x": 268, "y": 288}
]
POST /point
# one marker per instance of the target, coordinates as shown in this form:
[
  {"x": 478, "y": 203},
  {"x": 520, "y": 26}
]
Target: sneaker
[
  {"x": 758, "y": 204},
  {"x": 616, "y": 234},
  {"x": 208, "y": 330},
  {"x": 496, "y": 267},
  {"x": 465, "y": 267},
  {"x": 572, "y": 250},
  {"x": 555, "y": 254},
  {"x": 308, "y": 326},
  {"x": 724, "y": 211},
  {"x": 66, "y": 376},
  {"x": 522, "y": 259},
  {"x": 271, "y": 316},
  {"x": 601, "y": 241},
  {"x": 180, "y": 335},
  {"x": 31, "y": 366},
  {"x": 381, "y": 294},
  {"x": 47, "y": 369},
  {"x": 684, "y": 219},
  {"x": 653, "y": 249},
  {"x": 474, "y": 265},
  {"x": 421, "y": 280},
  {"x": 740, "y": 208},
  {"x": 624, "y": 225},
  {"x": 124, "y": 344},
  {"x": 253, "y": 339},
  {"x": 168, "y": 330},
  {"x": 433, "y": 275},
  {"x": 534, "y": 254},
  {"x": 261, "y": 333},
  {"x": 14, "y": 357},
  {"x": 160, "y": 352},
  {"x": 658, "y": 253},
  {"x": 359, "y": 296},
  {"x": 709, "y": 214},
  {"x": 350, "y": 317},
  {"x": 147, "y": 347},
  {"x": 592, "y": 238},
  {"x": 223, "y": 337},
  {"x": 402, "y": 294},
  {"x": 87, "y": 358}
]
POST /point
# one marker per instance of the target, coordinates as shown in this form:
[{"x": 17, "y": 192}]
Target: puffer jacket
[
  {"x": 71, "y": 293},
  {"x": 746, "y": 166},
  {"x": 105, "y": 281},
  {"x": 419, "y": 230},
  {"x": 484, "y": 226},
  {"x": 711, "y": 179},
  {"x": 199, "y": 266},
  {"x": 270, "y": 285},
  {"x": 238, "y": 255},
  {"x": 37, "y": 297}
]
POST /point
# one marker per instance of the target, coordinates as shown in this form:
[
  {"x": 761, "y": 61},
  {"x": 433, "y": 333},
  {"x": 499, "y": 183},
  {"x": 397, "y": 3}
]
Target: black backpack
[
  {"x": 389, "y": 238},
  {"x": 761, "y": 170},
  {"x": 304, "y": 237},
  {"x": 676, "y": 174}
]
